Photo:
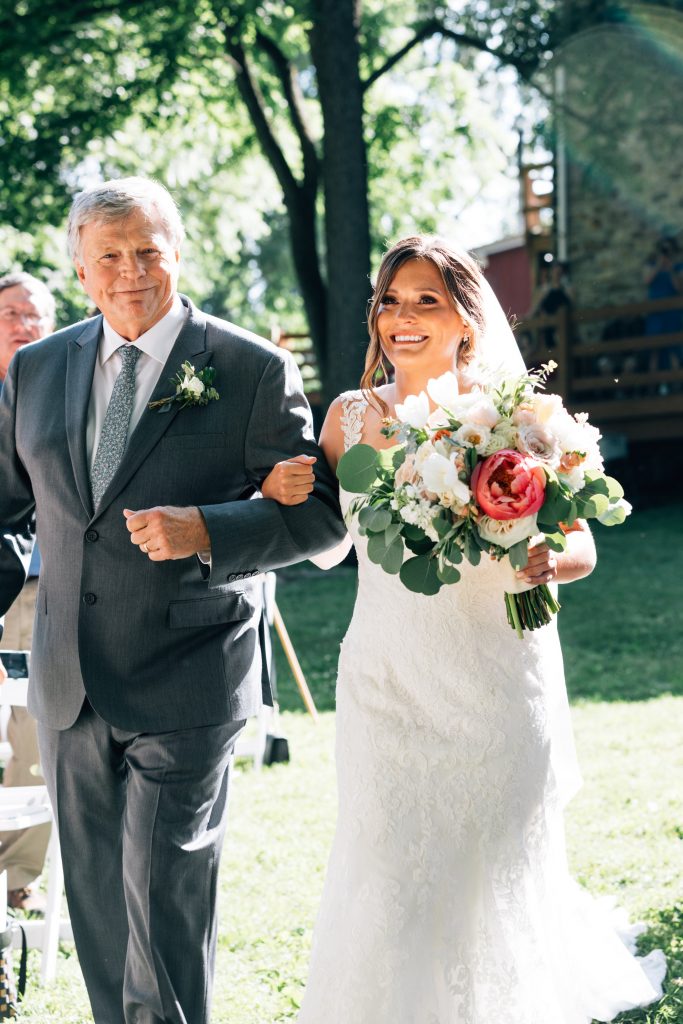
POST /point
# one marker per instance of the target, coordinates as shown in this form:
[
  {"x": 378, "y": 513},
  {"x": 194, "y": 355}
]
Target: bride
[{"x": 447, "y": 898}]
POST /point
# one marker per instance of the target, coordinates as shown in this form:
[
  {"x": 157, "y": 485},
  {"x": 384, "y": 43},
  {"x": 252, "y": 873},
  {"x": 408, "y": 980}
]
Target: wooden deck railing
[
  {"x": 630, "y": 382},
  {"x": 617, "y": 380}
]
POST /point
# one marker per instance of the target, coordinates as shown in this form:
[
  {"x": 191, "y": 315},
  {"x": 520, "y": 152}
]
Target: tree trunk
[{"x": 334, "y": 44}]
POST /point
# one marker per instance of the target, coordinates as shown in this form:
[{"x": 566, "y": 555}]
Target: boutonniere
[{"x": 190, "y": 388}]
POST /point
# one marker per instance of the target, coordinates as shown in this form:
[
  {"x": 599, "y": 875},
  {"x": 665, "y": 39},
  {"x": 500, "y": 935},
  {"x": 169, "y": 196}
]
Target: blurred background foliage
[{"x": 297, "y": 137}]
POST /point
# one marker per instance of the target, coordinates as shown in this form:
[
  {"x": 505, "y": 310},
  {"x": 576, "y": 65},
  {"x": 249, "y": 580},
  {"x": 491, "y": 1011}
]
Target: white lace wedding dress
[{"x": 447, "y": 898}]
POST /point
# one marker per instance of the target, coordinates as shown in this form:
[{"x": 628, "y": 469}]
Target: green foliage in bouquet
[{"x": 401, "y": 516}]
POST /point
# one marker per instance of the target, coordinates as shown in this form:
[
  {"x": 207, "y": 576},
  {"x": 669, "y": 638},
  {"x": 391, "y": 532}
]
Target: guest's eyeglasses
[{"x": 14, "y": 316}]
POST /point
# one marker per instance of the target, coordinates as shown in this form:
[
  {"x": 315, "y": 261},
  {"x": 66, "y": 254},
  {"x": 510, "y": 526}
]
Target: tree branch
[
  {"x": 253, "y": 100},
  {"x": 292, "y": 93},
  {"x": 435, "y": 27}
]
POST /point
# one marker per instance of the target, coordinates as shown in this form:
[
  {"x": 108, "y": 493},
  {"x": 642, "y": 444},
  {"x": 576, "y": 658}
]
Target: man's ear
[{"x": 80, "y": 271}]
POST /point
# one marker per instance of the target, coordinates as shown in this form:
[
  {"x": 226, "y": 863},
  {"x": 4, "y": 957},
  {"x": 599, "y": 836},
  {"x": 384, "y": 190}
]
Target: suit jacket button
[
  {"x": 231, "y": 578},
  {"x": 89, "y": 598},
  {"x": 92, "y": 535}
]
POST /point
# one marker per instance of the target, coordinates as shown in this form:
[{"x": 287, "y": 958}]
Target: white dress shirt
[{"x": 155, "y": 347}]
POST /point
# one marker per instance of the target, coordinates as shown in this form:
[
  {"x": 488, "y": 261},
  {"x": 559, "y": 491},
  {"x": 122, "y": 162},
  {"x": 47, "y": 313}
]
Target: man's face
[
  {"x": 129, "y": 269},
  {"x": 24, "y": 317}
]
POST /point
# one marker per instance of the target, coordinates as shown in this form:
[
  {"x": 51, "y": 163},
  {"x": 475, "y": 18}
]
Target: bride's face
[{"x": 417, "y": 324}]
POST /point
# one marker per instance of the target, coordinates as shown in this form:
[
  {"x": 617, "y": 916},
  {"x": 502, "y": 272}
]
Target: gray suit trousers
[{"x": 141, "y": 821}]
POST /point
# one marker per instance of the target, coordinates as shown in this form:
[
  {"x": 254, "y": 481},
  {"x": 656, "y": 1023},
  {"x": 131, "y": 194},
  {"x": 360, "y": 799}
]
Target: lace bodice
[{"x": 354, "y": 404}]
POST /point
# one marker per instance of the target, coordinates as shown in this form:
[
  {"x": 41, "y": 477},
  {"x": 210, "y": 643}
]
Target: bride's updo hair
[{"x": 461, "y": 277}]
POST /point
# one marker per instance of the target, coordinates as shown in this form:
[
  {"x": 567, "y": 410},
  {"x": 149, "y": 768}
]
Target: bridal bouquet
[{"x": 485, "y": 472}]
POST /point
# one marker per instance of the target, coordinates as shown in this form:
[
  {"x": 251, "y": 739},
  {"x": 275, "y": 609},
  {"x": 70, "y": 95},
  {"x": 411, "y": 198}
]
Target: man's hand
[{"x": 168, "y": 532}]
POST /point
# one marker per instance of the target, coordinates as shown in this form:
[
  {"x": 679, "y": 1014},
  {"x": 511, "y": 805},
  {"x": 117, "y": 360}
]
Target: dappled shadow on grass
[
  {"x": 665, "y": 931},
  {"x": 620, "y": 628}
]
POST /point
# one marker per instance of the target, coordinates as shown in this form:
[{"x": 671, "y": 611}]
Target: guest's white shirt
[{"x": 155, "y": 347}]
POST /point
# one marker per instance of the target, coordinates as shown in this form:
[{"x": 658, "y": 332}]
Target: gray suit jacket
[{"x": 155, "y": 646}]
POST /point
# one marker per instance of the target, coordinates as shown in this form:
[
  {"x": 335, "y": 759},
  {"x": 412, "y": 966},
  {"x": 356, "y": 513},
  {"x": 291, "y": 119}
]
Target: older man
[
  {"x": 147, "y": 657},
  {"x": 27, "y": 313}
]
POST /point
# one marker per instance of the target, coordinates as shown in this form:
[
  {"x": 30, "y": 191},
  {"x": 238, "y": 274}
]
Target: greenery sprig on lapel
[{"x": 190, "y": 388}]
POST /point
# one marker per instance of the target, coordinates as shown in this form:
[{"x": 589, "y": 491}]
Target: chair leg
[{"x": 55, "y": 888}]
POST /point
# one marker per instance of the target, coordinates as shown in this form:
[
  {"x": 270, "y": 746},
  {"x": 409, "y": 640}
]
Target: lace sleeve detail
[{"x": 354, "y": 405}]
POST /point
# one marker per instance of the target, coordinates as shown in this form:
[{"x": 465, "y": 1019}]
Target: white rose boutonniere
[{"x": 190, "y": 388}]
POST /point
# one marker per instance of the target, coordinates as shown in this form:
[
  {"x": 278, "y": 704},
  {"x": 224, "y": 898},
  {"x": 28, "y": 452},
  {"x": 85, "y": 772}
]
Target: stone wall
[{"x": 623, "y": 120}]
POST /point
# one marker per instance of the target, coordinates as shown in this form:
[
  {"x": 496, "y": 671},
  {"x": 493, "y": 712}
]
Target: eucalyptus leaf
[
  {"x": 412, "y": 532},
  {"x": 614, "y": 516},
  {"x": 453, "y": 553},
  {"x": 391, "y": 533},
  {"x": 385, "y": 457},
  {"x": 447, "y": 573},
  {"x": 420, "y": 575},
  {"x": 472, "y": 549},
  {"x": 556, "y": 506},
  {"x": 594, "y": 506},
  {"x": 357, "y": 468},
  {"x": 375, "y": 519},
  {"x": 519, "y": 554},
  {"x": 595, "y": 483},
  {"x": 556, "y": 541},
  {"x": 614, "y": 488},
  {"x": 393, "y": 557},
  {"x": 442, "y": 526},
  {"x": 377, "y": 548},
  {"x": 418, "y": 547}
]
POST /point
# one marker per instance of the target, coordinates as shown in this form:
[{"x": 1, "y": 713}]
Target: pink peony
[{"x": 509, "y": 485}]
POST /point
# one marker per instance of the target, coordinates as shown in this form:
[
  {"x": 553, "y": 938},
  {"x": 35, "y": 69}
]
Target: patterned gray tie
[{"x": 114, "y": 435}]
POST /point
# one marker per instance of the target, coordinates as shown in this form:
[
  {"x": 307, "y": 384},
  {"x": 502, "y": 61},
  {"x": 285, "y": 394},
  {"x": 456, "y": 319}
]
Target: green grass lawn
[{"x": 622, "y": 640}]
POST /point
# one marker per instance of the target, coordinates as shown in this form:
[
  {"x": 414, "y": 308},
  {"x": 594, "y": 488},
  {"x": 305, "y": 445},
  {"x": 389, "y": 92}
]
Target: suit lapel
[
  {"x": 190, "y": 345},
  {"x": 80, "y": 366}
]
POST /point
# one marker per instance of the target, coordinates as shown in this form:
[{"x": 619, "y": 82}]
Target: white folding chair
[
  {"x": 252, "y": 742},
  {"x": 23, "y": 807}
]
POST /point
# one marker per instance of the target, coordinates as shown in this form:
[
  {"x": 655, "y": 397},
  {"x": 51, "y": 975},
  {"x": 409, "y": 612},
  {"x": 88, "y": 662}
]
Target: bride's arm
[
  {"x": 291, "y": 482},
  {"x": 575, "y": 562}
]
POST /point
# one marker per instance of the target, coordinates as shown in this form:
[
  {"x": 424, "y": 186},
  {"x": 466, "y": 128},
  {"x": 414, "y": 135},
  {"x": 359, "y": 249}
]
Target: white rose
[
  {"x": 575, "y": 478},
  {"x": 193, "y": 385},
  {"x": 440, "y": 476},
  {"x": 545, "y": 406},
  {"x": 507, "y": 532},
  {"x": 414, "y": 411},
  {"x": 473, "y": 435},
  {"x": 539, "y": 441},
  {"x": 444, "y": 390},
  {"x": 476, "y": 407}
]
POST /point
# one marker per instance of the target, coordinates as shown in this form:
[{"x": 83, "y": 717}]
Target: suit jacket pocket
[{"x": 210, "y": 611}]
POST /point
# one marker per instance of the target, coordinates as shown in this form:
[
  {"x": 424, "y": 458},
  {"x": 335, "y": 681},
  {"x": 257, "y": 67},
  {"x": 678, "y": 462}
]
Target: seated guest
[{"x": 27, "y": 312}]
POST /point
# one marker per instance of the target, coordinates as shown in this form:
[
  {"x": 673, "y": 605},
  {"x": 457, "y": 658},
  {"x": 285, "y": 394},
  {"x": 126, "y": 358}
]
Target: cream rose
[{"x": 507, "y": 532}]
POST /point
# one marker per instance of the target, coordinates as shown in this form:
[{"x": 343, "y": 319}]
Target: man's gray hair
[
  {"x": 32, "y": 284},
  {"x": 118, "y": 199}
]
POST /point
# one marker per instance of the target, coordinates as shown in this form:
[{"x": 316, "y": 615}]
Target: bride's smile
[{"x": 417, "y": 321}]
